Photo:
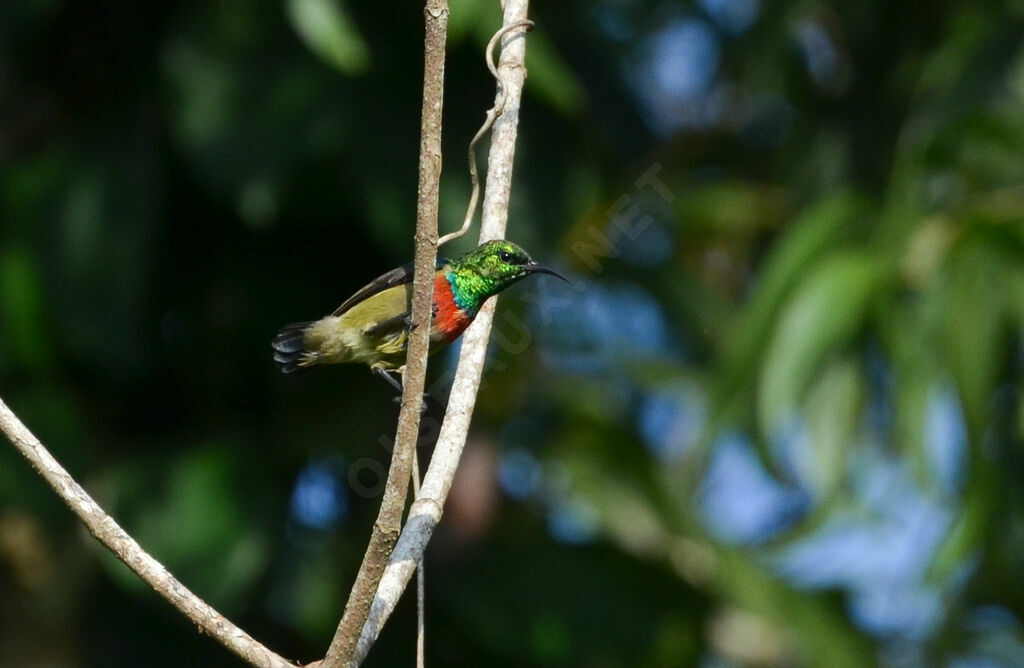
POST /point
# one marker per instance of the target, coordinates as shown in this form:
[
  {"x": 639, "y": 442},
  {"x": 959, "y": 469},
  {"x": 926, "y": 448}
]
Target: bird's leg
[{"x": 386, "y": 375}]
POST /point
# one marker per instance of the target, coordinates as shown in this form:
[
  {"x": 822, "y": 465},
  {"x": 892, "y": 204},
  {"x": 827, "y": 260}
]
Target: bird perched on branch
[{"x": 372, "y": 326}]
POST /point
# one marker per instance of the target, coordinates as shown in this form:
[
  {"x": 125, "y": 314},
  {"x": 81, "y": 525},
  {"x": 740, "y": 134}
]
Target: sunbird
[{"x": 372, "y": 326}]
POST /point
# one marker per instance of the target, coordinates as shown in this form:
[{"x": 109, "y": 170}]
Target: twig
[
  {"x": 389, "y": 519},
  {"x": 421, "y": 581},
  {"x": 492, "y": 115},
  {"x": 107, "y": 531},
  {"x": 426, "y": 511}
]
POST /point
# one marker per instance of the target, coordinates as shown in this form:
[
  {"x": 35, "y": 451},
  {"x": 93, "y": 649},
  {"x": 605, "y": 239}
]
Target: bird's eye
[{"x": 505, "y": 257}]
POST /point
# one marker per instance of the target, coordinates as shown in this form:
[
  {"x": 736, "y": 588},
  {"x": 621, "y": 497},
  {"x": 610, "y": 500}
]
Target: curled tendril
[{"x": 492, "y": 115}]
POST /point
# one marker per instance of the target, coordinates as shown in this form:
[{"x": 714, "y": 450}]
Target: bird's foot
[
  {"x": 395, "y": 383},
  {"x": 389, "y": 377},
  {"x": 424, "y": 405}
]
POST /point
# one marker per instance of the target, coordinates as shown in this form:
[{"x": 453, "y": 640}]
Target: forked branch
[{"x": 427, "y": 509}]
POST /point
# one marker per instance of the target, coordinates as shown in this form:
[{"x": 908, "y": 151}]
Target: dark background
[{"x": 776, "y": 421}]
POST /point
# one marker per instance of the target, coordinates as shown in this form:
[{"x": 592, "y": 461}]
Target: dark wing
[{"x": 398, "y": 276}]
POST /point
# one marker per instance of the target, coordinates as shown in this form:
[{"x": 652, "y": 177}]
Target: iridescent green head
[{"x": 489, "y": 269}]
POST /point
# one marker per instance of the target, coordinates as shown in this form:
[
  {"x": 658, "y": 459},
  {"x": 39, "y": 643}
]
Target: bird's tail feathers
[{"x": 289, "y": 346}]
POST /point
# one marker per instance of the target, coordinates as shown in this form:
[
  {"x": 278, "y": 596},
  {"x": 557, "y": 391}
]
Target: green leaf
[
  {"x": 825, "y": 314},
  {"x": 810, "y": 236},
  {"x": 972, "y": 522},
  {"x": 330, "y": 33},
  {"x": 973, "y": 326},
  {"x": 550, "y": 77},
  {"x": 832, "y": 410}
]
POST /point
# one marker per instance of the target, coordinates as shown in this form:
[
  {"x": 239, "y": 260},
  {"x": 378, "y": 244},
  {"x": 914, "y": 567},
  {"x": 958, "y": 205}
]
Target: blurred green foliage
[{"x": 778, "y": 420}]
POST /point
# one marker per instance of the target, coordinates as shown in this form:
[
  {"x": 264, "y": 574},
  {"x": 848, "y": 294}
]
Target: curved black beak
[{"x": 535, "y": 268}]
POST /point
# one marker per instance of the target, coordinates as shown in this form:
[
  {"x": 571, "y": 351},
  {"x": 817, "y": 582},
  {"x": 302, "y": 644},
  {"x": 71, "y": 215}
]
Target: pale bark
[
  {"x": 109, "y": 532},
  {"x": 427, "y": 509}
]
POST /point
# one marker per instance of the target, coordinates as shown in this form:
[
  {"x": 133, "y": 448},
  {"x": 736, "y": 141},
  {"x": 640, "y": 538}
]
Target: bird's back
[{"x": 372, "y": 331}]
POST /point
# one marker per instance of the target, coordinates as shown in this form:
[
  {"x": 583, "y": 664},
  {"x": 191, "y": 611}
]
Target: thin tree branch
[
  {"x": 389, "y": 519},
  {"x": 426, "y": 511},
  {"x": 107, "y": 531},
  {"x": 421, "y": 580}
]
